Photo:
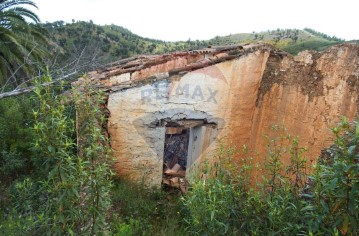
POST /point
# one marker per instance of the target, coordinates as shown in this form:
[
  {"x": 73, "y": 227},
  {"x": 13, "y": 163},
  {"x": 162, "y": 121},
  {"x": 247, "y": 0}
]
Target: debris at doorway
[{"x": 175, "y": 157}]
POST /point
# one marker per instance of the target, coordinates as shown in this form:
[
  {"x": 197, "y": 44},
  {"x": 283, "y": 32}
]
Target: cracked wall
[
  {"x": 137, "y": 114},
  {"x": 243, "y": 96}
]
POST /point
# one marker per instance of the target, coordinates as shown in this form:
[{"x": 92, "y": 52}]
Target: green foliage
[
  {"x": 21, "y": 48},
  {"x": 138, "y": 210},
  {"x": 87, "y": 42},
  {"x": 13, "y": 223},
  {"x": 215, "y": 203},
  {"x": 289, "y": 40},
  {"x": 89, "y": 45},
  {"x": 337, "y": 184},
  {"x": 78, "y": 182},
  {"x": 322, "y": 35},
  {"x": 229, "y": 202},
  {"x": 284, "y": 203},
  {"x": 93, "y": 161},
  {"x": 308, "y": 45},
  {"x": 210, "y": 204},
  {"x": 280, "y": 147},
  {"x": 22, "y": 214},
  {"x": 15, "y": 137},
  {"x": 55, "y": 147},
  {"x": 11, "y": 164},
  {"x": 71, "y": 194}
]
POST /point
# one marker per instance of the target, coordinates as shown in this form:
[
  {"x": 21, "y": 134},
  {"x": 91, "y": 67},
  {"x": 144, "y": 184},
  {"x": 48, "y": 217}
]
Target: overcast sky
[{"x": 200, "y": 19}]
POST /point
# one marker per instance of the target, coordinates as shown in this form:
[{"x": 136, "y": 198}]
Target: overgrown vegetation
[
  {"x": 16, "y": 136},
  {"x": 54, "y": 183},
  {"x": 141, "y": 211},
  {"x": 287, "y": 201},
  {"x": 68, "y": 191}
]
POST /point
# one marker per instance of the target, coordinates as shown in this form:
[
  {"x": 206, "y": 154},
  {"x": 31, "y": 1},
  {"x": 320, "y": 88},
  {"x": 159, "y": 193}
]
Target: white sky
[{"x": 199, "y": 19}]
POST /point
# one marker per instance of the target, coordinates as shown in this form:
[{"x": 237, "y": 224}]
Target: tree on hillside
[{"x": 22, "y": 42}]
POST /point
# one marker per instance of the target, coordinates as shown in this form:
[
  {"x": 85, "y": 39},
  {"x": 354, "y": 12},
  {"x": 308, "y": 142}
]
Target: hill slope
[
  {"x": 290, "y": 40},
  {"x": 90, "y": 45},
  {"x": 91, "y": 42}
]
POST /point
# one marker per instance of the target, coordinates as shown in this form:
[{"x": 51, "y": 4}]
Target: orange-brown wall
[{"x": 308, "y": 93}]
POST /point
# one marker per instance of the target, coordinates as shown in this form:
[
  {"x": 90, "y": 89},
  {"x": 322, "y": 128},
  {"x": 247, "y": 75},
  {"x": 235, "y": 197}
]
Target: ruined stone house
[{"x": 235, "y": 93}]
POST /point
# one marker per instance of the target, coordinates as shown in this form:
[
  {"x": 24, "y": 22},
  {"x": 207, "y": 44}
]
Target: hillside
[
  {"x": 90, "y": 45},
  {"x": 86, "y": 42},
  {"x": 290, "y": 40}
]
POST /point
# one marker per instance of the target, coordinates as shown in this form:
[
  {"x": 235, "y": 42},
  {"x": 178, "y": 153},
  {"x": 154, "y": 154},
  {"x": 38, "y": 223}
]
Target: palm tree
[{"x": 22, "y": 42}]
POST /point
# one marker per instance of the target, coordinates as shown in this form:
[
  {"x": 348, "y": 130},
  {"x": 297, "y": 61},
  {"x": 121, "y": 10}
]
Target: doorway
[
  {"x": 176, "y": 151},
  {"x": 185, "y": 141}
]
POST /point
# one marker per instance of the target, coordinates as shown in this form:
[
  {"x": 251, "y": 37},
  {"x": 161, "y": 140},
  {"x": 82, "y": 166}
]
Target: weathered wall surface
[
  {"x": 244, "y": 96},
  {"x": 135, "y": 125},
  {"x": 309, "y": 95}
]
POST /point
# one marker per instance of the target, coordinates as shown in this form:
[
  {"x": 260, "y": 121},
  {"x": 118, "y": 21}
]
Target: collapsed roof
[{"x": 146, "y": 68}]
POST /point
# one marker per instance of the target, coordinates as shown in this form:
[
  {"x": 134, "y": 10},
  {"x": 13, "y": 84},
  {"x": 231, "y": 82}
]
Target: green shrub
[
  {"x": 72, "y": 193},
  {"x": 215, "y": 202},
  {"x": 336, "y": 188},
  {"x": 287, "y": 202},
  {"x": 15, "y": 138},
  {"x": 12, "y": 163},
  {"x": 12, "y": 223},
  {"x": 138, "y": 210},
  {"x": 228, "y": 201}
]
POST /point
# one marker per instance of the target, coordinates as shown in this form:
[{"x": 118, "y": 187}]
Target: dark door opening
[
  {"x": 176, "y": 150},
  {"x": 175, "y": 157},
  {"x": 185, "y": 140}
]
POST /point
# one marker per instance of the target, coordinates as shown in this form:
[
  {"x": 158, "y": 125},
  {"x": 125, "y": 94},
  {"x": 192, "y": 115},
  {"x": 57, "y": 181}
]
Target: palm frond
[
  {"x": 22, "y": 44},
  {"x": 5, "y": 4}
]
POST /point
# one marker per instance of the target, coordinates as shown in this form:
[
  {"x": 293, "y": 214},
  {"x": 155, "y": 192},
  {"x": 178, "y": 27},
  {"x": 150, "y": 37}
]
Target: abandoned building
[{"x": 169, "y": 112}]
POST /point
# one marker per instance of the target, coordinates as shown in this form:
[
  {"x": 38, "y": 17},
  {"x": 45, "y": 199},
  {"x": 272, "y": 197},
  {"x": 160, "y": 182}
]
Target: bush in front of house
[{"x": 227, "y": 201}]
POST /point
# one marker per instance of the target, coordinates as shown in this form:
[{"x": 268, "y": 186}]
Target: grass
[{"x": 139, "y": 211}]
